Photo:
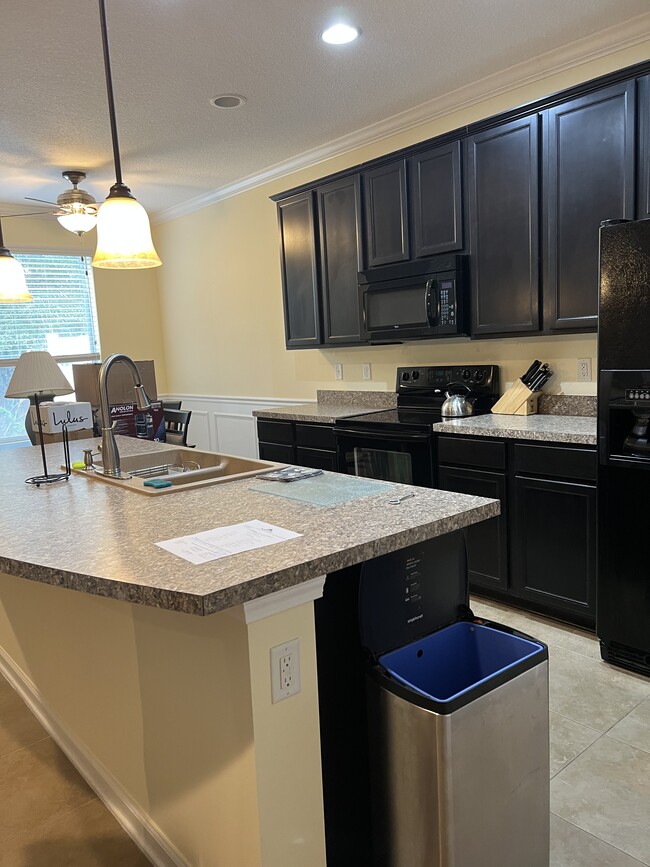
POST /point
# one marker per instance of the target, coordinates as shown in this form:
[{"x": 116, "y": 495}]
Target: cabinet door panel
[
  {"x": 339, "y": 216},
  {"x": 643, "y": 206},
  {"x": 386, "y": 212},
  {"x": 299, "y": 272},
  {"x": 319, "y": 459},
  {"x": 554, "y": 544},
  {"x": 436, "y": 201},
  {"x": 589, "y": 177},
  {"x": 487, "y": 548},
  {"x": 283, "y": 454},
  {"x": 503, "y": 180}
]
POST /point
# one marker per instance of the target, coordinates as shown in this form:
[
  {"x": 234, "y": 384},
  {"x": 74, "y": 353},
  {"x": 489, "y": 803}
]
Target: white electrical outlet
[
  {"x": 366, "y": 373},
  {"x": 584, "y": 370},
  {"x": 338, "y": 371},
  {"x": 285, "y": 670}
]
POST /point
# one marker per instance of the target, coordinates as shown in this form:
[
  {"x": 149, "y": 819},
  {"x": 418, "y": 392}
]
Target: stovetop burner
[{"x": 421, "y": 391}]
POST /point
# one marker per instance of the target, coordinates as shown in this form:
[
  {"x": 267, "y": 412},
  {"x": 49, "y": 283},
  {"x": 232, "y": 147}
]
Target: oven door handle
[{"x": 401, "y": 436}]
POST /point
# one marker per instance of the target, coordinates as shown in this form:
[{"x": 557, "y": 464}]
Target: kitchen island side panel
[{"x": 163, "y": 705}]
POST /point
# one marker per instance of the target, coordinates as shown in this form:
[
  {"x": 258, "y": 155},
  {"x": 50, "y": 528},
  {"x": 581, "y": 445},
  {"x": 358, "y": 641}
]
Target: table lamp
[{"x": 37, "y": 373}]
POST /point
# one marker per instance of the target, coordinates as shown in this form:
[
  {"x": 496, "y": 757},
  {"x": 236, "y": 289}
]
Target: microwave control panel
[{"x": 447, "y": 302}]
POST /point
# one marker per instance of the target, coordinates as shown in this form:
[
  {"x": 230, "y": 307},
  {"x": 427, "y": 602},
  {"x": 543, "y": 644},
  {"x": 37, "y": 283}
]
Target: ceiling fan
[{"x": 76, "y": 210}]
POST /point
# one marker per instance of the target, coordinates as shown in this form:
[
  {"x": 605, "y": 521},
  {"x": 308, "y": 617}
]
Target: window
[{"x": 61, "y": 319}]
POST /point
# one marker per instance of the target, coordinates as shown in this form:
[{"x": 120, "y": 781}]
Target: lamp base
[{"x": 47, "y": 480}]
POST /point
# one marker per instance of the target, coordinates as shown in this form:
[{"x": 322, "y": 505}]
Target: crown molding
[{"x": 625, "y": 35}]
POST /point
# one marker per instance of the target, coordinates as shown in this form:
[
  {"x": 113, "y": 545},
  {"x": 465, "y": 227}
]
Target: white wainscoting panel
[{"x": 226, "y": 424}]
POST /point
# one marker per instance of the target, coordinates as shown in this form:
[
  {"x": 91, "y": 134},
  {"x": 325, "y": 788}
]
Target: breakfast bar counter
[{"x": 171, "y": 716}]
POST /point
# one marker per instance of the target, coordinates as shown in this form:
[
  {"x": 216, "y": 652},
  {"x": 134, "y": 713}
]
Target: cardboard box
[
  {"x": 57, "y": 437},
  {"x": 132, "y": 422},
  {"x": 120, "y": 384},
  {"x": 77, "y": 416}
]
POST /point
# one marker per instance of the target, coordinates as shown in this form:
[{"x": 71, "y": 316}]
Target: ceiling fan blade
[
  {"x": 31, "y": 199},
  {"x": 28, "y": 214}
]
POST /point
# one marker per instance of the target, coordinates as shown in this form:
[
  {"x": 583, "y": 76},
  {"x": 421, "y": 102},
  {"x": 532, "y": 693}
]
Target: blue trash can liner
[{"x": 457, "y": 659}]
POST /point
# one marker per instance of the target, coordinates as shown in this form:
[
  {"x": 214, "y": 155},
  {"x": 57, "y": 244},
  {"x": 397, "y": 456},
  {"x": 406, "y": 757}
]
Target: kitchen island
[{"x": 169, "y": 714}]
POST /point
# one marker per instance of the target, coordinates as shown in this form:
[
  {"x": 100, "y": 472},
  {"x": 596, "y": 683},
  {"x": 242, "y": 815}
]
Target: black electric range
[{"x": 397, "y": 444}]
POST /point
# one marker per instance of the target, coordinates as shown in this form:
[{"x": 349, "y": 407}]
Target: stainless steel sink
[{"x": 182, "y": 468}]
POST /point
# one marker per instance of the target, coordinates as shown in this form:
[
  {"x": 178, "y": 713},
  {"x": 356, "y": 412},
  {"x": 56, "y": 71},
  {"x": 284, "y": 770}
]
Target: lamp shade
[
  {"x": 37, "y": 373},
  {"x": 124, "y": 235},
  {"x": 78, "y": 221},
  {"x": 13, "y": 288}
]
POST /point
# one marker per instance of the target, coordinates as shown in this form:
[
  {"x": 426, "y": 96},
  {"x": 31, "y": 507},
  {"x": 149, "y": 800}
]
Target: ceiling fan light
[
  {"x": 124, "y": 236},
  {"x": 78, "y": 221},
  {"x": 13, "y": 287}
]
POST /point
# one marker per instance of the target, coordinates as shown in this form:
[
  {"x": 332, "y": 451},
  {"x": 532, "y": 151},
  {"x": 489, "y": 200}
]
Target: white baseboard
[
  {"x": 137, "y": 824},
  {"x": 226, "y": 424}
]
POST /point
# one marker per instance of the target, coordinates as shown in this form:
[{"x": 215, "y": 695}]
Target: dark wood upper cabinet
[
  {"x": 299, "y": 270},
  {"x": 503, "y": 191},
  {"x": 436, "y": 201},
  {"x": 643, "y": 200},
  {"x": 339, "y": 219},
  {"x": 589, "y": 149},
  {"x": 386, "y": 214}
]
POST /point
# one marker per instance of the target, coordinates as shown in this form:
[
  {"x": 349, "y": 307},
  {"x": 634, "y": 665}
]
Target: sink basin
[{"x": 183, "y": 468}]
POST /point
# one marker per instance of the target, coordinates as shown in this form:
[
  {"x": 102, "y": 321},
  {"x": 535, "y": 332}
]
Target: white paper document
[{"x": 224, "y": 541}]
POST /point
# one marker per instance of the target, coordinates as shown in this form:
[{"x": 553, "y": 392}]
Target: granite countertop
[
  {"x": 331, "y": 405},
  {"x": 92, "y": 536},
  {"x": 538, "y": 428}
]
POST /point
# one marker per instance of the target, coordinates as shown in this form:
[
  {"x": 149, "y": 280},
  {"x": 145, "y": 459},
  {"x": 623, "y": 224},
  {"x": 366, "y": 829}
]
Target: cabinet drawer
[
  {"x": 319, "y": 459},
  {"x": 556, "y": 461},
  {"x": 274, "y": 431},
  {"x": 315, "y": 436},
  {"x": 275, "y": 452},
  {"x": 472, "y": 451}
]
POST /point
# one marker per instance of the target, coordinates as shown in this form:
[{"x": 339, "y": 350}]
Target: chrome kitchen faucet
[{"x": 110, "y": 453}]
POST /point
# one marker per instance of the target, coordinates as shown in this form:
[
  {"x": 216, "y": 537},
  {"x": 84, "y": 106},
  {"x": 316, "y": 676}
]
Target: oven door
[{"x": 393, "y": 456}]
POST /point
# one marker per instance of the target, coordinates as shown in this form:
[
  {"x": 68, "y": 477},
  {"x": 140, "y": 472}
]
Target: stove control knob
[
  {"x": 405, "y": 375},
  {"x": 478, "y": 376},
  {"x": 465, "y": 373},
  {"x": 415, "y": 374}
]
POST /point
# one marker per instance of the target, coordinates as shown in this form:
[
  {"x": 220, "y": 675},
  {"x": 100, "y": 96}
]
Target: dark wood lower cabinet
[
  {"x": 554, "y": 545},
  {"x": 299, "y": 443},
  {"x": 540, "y": 553},
  {"x": 487, "y": 542}
]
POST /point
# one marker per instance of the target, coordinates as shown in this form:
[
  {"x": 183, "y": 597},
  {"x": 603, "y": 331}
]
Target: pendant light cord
[{"x": 109, "y": 92}]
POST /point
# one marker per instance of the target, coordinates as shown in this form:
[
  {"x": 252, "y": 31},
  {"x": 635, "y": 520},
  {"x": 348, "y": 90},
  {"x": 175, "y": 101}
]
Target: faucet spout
[{"x": 110, "y": 453}]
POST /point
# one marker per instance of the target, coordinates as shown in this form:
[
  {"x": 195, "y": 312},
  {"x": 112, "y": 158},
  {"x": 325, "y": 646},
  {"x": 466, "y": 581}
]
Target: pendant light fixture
[
  {"x": 13, "y": 287},
  {"x": 123, "y": 230}
]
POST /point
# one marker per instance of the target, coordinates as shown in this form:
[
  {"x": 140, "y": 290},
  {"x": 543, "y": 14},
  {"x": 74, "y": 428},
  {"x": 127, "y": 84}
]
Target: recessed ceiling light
[
  {"x": 339, "y": 34},
  {"x": 228, "y": 100}
]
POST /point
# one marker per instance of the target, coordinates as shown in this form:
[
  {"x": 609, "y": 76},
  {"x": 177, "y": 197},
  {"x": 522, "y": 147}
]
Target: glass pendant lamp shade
[
  {"x": 124, "y": 235},
  {"x": 78, "y": 221},
  {"x": 13, "y": 288}
]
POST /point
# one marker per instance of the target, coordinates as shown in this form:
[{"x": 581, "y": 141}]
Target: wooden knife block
[{"x": 518, "y": 400}]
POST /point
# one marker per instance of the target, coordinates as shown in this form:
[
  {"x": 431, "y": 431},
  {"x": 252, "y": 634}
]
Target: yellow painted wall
[
  {"x": 128, "y": 311},
  {"x": 177, "y": 708},
  {"x": 220, "y": 286}
]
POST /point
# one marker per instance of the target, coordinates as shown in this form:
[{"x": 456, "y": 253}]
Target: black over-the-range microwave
[{"x": 415, "y": 300}]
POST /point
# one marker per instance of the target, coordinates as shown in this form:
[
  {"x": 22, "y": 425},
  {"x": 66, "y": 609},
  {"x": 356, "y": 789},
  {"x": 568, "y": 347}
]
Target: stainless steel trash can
[{"x": 458, "y": 721}]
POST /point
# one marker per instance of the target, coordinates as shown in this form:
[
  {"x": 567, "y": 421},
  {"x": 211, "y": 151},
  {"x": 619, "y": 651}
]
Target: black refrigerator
[{"x": 623, "y": 616}]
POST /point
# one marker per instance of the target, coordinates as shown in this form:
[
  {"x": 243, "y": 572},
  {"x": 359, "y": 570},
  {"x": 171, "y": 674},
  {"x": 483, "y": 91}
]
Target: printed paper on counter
[{"x": 224, "y": 541}]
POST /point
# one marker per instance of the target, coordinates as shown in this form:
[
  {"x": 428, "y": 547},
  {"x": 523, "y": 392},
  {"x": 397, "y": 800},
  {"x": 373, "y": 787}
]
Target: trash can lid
[{"x": 409, "y": 593}]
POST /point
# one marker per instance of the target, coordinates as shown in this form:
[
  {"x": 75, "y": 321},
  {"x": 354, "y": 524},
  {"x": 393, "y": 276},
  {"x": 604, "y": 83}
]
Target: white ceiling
[{"x": 171, "y": 56}]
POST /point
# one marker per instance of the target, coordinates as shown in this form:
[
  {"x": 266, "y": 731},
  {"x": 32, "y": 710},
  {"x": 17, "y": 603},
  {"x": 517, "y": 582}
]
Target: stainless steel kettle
[{"x": 456, "y": 405}]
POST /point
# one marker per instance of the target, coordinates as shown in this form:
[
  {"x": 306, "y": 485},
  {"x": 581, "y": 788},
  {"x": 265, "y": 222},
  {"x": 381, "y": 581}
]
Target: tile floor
[
  {"x": 600, "y": 769},
  {"x": 600, "y": 748},
  {"x": 48, "y": 815}
]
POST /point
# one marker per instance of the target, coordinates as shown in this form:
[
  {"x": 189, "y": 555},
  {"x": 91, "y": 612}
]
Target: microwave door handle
[{"x": 432, "y": 303}]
